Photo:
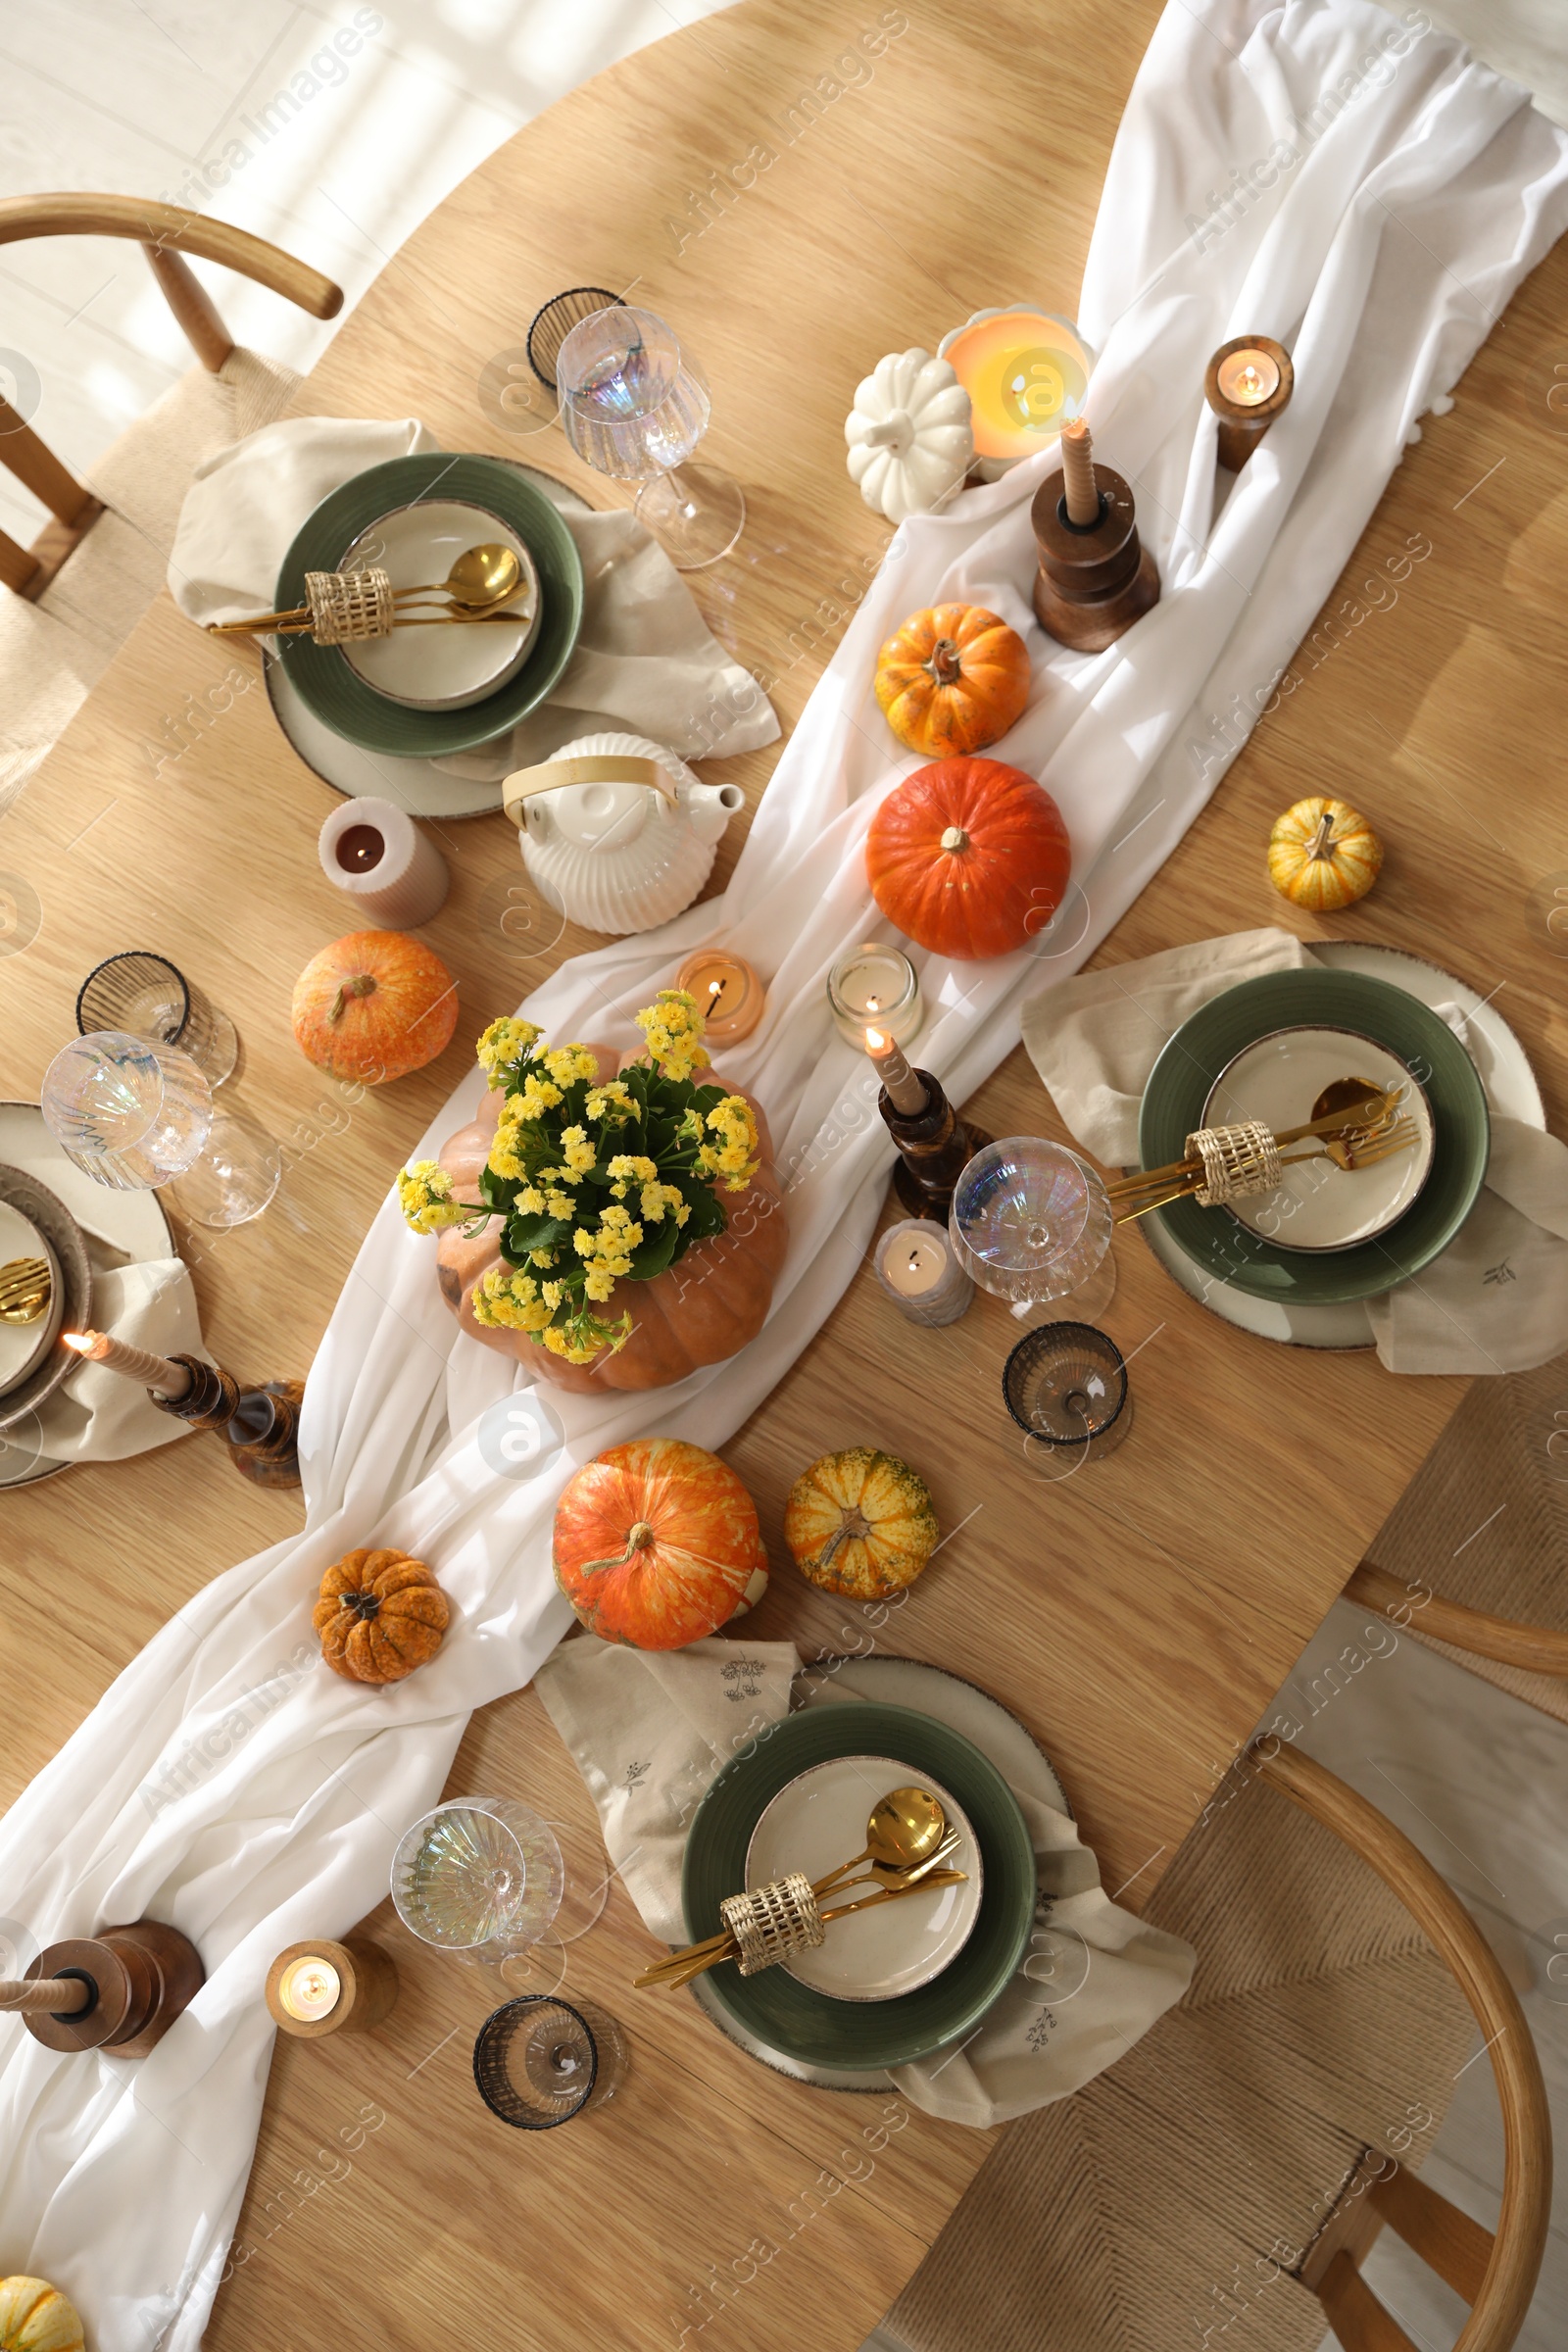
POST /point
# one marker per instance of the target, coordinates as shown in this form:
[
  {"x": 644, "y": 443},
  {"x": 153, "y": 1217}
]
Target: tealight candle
[
  {"x": 1026, "y": 372},
  {"x": 377, "y": 857},
  {"x": 730, "y": 994},
  {"x": 1248, "y": 383},
  {"x": 309, "y": 1989},
  {"x": 878, "y": 985},
  {"x": 917, "y": 1267}
]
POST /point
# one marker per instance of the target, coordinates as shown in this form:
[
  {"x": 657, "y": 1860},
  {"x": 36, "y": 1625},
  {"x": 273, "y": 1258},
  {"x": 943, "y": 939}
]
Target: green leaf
[
  {"x": 655, "y": 1251},
  {"x": 526, "y": 1234}
]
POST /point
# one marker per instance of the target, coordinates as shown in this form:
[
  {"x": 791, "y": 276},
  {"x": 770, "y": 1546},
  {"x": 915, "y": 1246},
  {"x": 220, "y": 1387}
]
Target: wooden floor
[{"x": 1138, "y": 1619}]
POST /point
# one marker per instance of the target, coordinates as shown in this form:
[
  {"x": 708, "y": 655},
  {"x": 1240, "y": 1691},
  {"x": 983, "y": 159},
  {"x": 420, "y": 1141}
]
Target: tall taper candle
[
  {"x": 904, "y": 1090},
  {"x": 117, "y": 1355}
]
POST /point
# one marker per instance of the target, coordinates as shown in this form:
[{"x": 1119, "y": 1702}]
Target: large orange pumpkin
[
  {"x": 657, "y": 1544},
  {"x": 380, "y": 1615},
  {"x": 374, "y": 1005},
  {"x": 953, "y": 679},
  {"x": 969, "y": 858},
  {"x": 708, "y": 1306}
]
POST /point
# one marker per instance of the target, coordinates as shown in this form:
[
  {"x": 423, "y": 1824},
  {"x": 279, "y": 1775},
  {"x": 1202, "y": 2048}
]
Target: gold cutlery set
[
  {"x": 26, "y": 1290},
  {"x": 1356, "y": 1123},
  {"x": 364, "y": 604}
]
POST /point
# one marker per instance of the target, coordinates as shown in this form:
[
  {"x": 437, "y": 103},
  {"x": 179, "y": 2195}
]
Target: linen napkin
[
  {"x": 100, "y": 1416},
  {"x": 646, "y": 662},
  {"x": 650, "y": 1732},
  {"x": 1497, "y": 1299}
]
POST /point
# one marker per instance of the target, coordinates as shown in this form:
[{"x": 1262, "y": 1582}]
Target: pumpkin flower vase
[{"x": 609, "y": 1227}]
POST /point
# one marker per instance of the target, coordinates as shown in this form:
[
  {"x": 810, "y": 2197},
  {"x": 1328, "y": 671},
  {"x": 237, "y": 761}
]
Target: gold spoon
[
  {"x": 867, "y": 1902},
  {"x": 26, "y": 1289},
  {"x": 483, "y": 578},
  {"x": 906, "y": 1827}
]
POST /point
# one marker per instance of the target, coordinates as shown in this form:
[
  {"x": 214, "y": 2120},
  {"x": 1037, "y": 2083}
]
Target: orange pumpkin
[
  {"x": 953, "y": 679},
  {"x": 374, "y": 1006},
  {"x": 657, "y": 1544},
  {"x": 969, "y": 858},
  {"x": 380, "y": 1614},
  {"x": 708, "y": 1306}
]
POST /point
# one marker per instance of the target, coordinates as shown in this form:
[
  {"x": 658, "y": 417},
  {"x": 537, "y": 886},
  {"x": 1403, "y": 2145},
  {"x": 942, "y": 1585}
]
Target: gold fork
[
  {"x": 26, "y": 1287},
  {"x": 1361, "y": 1154},
  {"x": 867, "y": 1902},
  {"x": 1366, "y": 1119}
]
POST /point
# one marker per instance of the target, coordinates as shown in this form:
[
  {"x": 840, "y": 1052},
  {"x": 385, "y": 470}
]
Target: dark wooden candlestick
[
  {"x": 1242, "y": 426},
  {"x": 209, "y": 1401},
  {"x": 1096, "y": 577},
  {"x": 262, "y": 1433},
  {"x": 120, "y": 1991},
  {"x": 934, "y": 1147}
]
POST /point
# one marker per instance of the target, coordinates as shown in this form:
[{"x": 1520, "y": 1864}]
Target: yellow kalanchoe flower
[
  {"x": 424, "y": 1196},
  {"x": 630, "y": 1167},
  {"x": 508, "y": 1299},
  {"x": 656, "y": 1198},
  {"x": 567, "y": 1063},
  {"x": 611, "y": 1101},
  {"x": 503, "y": 1041},
  {"x": 735, "y": 1155},
  {"x": 578, "y": 1152},
  {"x": 537, "y": 1097},
  {"x": 673, "y": 1028}
]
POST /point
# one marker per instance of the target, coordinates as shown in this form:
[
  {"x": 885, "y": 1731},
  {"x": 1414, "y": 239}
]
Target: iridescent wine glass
[
  {"x": 634, "y": 405},
  {"x": 135, "y": 1114},
  {"x": 482, "y": 1876},
  {"x": 1031, "y": 1222}
]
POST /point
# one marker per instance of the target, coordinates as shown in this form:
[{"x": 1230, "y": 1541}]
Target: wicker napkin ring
[
  {"x": 772, "y": 1922},
  {"x": 347, "y": 604},
  {"x": 1237, "y": 1160}
]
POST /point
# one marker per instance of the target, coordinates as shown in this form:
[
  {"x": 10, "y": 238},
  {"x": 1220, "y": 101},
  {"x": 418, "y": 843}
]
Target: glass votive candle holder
[
  {"x": 539, "y": 2060},
  {"x": 1026, "y": 372},
  {"x": 876, "y": 986},
  {"x": 919, "y": 1271},
  {"x": 1065, "y": 1385}
]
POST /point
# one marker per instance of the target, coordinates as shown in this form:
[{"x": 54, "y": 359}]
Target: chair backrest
[
  {"x": 1495, "y": 2273},
  {"x": 1537, "y": 1650},
  {"x": 164, "y": 233}
]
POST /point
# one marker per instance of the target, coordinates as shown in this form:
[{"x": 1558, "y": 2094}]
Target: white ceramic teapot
[{"x": 616, "y": 832}]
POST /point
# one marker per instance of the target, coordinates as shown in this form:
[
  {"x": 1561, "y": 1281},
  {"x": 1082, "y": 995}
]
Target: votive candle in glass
[
  {"x": 876, "y": 986},
  {"x": 1026, "y": 372},
  {"x": 917, "y": 1268},
  {"x": 730, "y": 994}
]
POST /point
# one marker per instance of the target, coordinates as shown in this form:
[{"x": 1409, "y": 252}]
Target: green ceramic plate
[
  {"x": 324, "y": 679},
  {"x": 1179, "y": 1086},
  {"x": 811, "y": 2027}
]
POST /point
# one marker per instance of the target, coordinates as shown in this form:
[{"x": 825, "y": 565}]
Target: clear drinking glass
[
  {"x": 540, "y": 2061},
  {"x": 135, "y": 1114},
  {"x": 482, "y": 1875},
  {"x": 1065, "y": 1385},
  {"x": 143, "y": 995},
  {"x": 635, "y": 407},
  {"x": 1032, "y": 1222}
]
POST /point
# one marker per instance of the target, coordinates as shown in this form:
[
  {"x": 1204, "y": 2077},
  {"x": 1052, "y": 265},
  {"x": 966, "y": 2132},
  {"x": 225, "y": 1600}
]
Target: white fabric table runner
[{"x": 1381, "y": 254}]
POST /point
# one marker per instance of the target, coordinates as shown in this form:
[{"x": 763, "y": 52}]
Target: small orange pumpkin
[
  {"x": 374, "y": 1005},
  {"x": 657, "y": 1544},
  {"x": 1322, "y": 856},
  {"x": 953, "y": 679},
  {"x": 969, "y": 858},
  {"x": 861, "y": 1523},
  {"x": 380, "y": 1615}
]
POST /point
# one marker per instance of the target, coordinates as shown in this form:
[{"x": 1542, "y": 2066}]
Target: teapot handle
[{"x": 524, "y": 783}]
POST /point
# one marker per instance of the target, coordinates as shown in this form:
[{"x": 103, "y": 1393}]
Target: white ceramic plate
[
  {"x": 449, "y": 667},
  {"x": 24, "y": 1345},
  {"x": 818, "y": 1822},
  {"x": 1320, "y": 1207},
  {"x": 418, "y": 786},
  {"x": 1512, "y": 1091},
  {"x": 122, "y": 1228}
]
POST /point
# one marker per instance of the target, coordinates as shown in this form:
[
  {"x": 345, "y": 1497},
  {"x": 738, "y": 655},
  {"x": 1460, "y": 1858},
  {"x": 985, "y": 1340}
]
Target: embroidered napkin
[
  {"x": 650, "y": 1732},
  {"x": 646, "y": 662},
  {"x": 1497, "y": 1299}
]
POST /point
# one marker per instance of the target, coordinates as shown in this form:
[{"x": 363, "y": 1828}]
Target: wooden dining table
[{"x": 800, "y": 185}]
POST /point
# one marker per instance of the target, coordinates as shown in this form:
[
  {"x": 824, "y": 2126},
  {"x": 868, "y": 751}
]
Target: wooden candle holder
[
  {"x": 934, "y": 1147},
  {"x": 120, "y": 1991},
  {"x": 368, "y": 1978},
  {"x": 209, "y": 1401},
  {"x": 1096, "y": 578},
  {"x": 1242, "y": 428},
  {"x": 262, "y": 1433}
]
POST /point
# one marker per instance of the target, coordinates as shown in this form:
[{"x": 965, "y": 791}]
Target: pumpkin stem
[
  {"x": 1321, "y": 844},
  {"x": 947, "y": 662},
  {"x": 955, "y": 839},
  {"x": 366, "y": 1606},
  {"x": 640, "y": 1538},
  {"x": 362, "y": 985},
  {"x": 854, "y": 1524}
]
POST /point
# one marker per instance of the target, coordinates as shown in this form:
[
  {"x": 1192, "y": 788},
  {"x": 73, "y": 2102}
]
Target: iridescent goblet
[
  {"x": 1031, "y": 1222},
  {"x": 634, "y": 405}
]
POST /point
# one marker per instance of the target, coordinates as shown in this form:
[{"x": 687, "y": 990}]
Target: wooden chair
[
  {"x": 1533, "y": 1649},
  {"x": 1494, "y": 2273},
  {"x": 165, "y": 235}
]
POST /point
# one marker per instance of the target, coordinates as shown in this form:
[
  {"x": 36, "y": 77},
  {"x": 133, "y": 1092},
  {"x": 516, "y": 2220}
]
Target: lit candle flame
[
  {"x": 1249, "y": 384},
  {"x": 875, "y": 1041},
  {"x": 81, "y": 1341}
]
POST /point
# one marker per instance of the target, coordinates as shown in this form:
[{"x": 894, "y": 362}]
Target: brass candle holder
[
  {"x": 119, "y": 1990},
  {"x": 1096, "y": 577},
  {"x": 1249, "y": 382},
  {"x": 324, "y": 1988}
]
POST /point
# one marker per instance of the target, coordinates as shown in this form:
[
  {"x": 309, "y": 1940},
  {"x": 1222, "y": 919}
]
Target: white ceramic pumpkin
[{"x": 909, "y": 436}]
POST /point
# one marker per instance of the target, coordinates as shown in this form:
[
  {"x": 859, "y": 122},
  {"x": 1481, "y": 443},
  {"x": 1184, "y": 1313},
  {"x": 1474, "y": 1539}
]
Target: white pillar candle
[
  {"x": 377, "y": 857},
  {"x": 917, "y": 1267}
]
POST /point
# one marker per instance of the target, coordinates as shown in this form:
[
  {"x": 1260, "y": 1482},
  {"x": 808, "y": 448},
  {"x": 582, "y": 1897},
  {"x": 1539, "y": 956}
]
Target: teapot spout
[{"x": 710, "y": 807}]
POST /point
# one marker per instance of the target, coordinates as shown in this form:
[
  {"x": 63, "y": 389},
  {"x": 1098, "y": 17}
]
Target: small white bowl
[
  {"x": 818, "y": 1822},
  {"x": 445, "y": 668},
  {"x": 1319, "y": 1206}
]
